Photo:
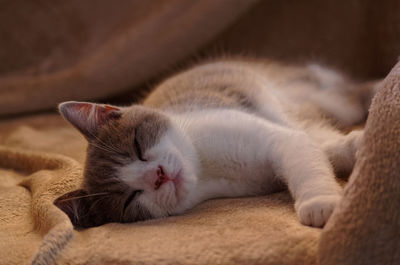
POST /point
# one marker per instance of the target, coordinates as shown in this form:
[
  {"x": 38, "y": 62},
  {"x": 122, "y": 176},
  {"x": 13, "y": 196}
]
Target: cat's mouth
[{"x": 164, "y": 177}]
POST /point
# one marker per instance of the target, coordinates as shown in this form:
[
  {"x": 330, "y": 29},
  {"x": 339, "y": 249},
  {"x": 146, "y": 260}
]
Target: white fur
[
  {"x": 238, "y": 154},
  {"x": 242, "y": 154},
  {"x": 176, "y": 155}
]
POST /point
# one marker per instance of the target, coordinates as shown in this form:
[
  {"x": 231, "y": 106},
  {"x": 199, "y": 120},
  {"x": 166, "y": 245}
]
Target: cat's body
[{"x": 228, "y": 128}]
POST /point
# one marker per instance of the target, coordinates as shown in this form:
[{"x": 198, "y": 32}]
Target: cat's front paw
[{"x": 317, "y": 210}]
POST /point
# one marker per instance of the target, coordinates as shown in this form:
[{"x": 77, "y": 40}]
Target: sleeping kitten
[{"x": 228, "y": 128}]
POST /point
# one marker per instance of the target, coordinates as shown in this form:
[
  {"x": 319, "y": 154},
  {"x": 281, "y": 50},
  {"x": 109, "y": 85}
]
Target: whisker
[
  {"x": 107, "y": 148},
  {"x": 85, "y": 196},
  {"x": 102, "y": 147},
  {"x": 111, "y": 148}
]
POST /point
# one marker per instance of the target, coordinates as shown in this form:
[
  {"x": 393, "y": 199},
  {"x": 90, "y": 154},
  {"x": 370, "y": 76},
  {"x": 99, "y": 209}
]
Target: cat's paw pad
[{"x": 317, "y": 210}]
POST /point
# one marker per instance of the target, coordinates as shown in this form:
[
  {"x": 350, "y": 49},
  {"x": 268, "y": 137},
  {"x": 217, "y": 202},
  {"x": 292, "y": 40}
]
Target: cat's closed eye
[
  {"x": 138, "y": 150},
  {"x": 131, "y": 197}
]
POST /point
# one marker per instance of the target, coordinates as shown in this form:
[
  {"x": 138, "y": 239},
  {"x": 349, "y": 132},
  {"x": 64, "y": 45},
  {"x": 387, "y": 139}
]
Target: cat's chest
[{"x": 232, "y": 151}]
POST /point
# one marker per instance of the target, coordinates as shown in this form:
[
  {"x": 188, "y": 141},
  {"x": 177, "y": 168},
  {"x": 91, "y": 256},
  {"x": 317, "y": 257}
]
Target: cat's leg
[
  {"x": 309, "y": 176},
  {"x": 305, "y": 167},
  {"x": 342, "y": 150}
]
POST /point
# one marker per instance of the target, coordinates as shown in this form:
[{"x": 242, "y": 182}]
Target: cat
[{"x": 225, "y": 128}]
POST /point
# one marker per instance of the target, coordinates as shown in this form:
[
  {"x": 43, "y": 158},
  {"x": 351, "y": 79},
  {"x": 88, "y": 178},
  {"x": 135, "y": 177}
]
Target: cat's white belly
[{"x": 232, "y": 160}]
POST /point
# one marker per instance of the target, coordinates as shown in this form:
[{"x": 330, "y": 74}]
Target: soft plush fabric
[
  {"x": 52, "y": 51},
  {"x": 365, "y": 227}
]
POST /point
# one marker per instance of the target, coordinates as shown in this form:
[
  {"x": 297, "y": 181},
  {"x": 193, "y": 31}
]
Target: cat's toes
[{"x": 317, "y": 210}]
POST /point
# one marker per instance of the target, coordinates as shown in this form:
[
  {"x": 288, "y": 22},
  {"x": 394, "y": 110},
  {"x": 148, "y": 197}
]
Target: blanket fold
[
  {"x": 40, "y": 177},
  {"x": 365, "y": 227}
]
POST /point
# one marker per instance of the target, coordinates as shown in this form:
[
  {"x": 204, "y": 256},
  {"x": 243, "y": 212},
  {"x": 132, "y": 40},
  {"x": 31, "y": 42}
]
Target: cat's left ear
[{"x": 88, "y": 117}]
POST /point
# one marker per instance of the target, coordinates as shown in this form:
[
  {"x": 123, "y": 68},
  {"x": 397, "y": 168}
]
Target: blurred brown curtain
[{"x": 52, "y": 51}]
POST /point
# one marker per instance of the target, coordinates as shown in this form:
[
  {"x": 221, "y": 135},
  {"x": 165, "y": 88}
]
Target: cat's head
[{"x": 139, "y": 165}]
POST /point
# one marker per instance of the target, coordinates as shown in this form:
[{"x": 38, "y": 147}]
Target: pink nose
[
  {"x": 162, "y": 178},
  {"x": 157, "y": 177}
]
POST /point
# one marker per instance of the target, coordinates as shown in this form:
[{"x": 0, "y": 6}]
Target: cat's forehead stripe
[
  {"x": 115, "y": 147},
  {"x": 149, "y": 125}
]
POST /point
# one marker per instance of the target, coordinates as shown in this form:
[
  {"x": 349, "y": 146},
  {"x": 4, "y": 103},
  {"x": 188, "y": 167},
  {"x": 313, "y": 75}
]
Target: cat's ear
[
  {"x": 76, "y": 205},
  {"x": 88, "y": 117}
]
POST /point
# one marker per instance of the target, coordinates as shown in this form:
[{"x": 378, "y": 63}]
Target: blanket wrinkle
[
  {"x": 12, "y": 157},
  {"x": 45, "y": 182},
  {"x": 54, "y": 241}
]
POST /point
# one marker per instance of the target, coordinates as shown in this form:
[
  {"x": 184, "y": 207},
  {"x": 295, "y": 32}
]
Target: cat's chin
[
  {"x": 177, "y": 196},
  {"x": 185, "y": 187}
]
